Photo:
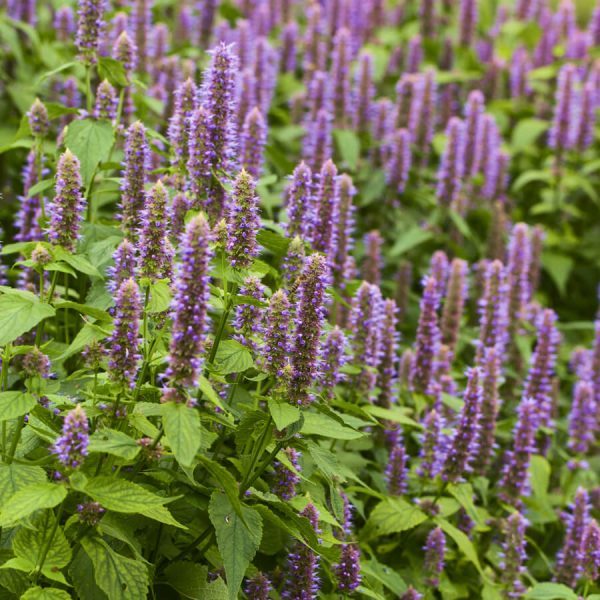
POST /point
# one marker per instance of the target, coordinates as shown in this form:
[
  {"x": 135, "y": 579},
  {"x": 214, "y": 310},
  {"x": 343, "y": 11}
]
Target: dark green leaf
[
  {"x": 233, "y": 357},
  {"x": 114, "y": 442},
  {"x": 19, "y": 313},
  {"x": 393, "y": 515},
  {"x": 183, "y": 431},
  {"x": 15, "y": 404},
  {"x": 29, "y": 499},
  {"x": 113, "y": 70}
]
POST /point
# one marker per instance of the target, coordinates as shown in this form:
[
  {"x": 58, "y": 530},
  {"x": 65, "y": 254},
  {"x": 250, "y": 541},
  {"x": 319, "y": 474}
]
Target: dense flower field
[{"x": 299, "y": 299}]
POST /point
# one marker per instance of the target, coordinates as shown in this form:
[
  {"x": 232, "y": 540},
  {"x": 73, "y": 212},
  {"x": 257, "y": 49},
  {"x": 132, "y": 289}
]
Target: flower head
[
  {"x": 89, "y": 28},
  {"x": 72, "y": 446},
  {"x": 38, "y": 118},
  {"x": 513, "y": 555},
  {"x": 435, "y": 548}
]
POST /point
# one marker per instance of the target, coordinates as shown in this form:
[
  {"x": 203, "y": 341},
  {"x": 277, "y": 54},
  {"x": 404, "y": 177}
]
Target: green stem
[
  {"x": 256, "y": 452},
  {"x": 3, "y": 381},
  {"x": 145, "y": 366},
  {"x": 15, "y": 440},
  {"x": 48, "y": 544},
  {"x": 67, "y": 335},
  {"x": 88, "y": 87},
  {"x": 262, "y": 467},
  {"x": 38, "y": 167}
]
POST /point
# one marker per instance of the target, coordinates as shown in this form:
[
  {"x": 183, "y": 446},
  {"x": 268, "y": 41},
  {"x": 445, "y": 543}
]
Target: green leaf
[
  {"x": 121, "y": 578},
  {"x": 225, "y": 480},
  {"x": 526, "y": 133},
  {"x": 114, "y": 442},
  {"x": 81, "y": 571},
  {"x": 15, "y": 477},
  {"x": 559, "y": 268},
  {"x": 189, "y": 580},
  {"x": 77, "y": 261},
  {"x": 19, "y": 313},
  {"x": 29, "y": 499},
  {"x": 237, "y": 541},
  {"x": 14, "y": 404},
  {"x": 90, "y": 140},
  {"x": 128, "y": 497},
  {"x": 530, "y": 177},
  {"x": 393, "y": 515},
  {"x": 113, "y": 70},
  {"x": 384, "y": 574},
  {"x": 348, "y": 146},
  {"x": 273, "y": 241},
  {"x": 160, "y": 297},
  {"x": 38, "y": 593},
  {"x": 463, "y": 492},
  {"x": 326, "y": 461},
  {"x": 550, "y": 591},
  {"x": 409, "y": 240},
  {"x": 233, "y": 357},
  {"x": 39, "y": 187},
  {"x": 462, "y": 541},
  {"x": 394, "y": 414},
  {"x": 319, "y": 424},
  {"x": 85, "y": 336},
  {"x": 283, "y": 413},
  {"x": 183, "y": 431}
]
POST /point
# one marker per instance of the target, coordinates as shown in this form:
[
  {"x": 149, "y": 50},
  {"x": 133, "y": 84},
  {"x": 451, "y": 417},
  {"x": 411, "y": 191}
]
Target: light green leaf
[
  {"x": 19, "y": 313},
  {"x": 409, "y": 240},
  {"x": 384, "y": 574},
  {"x": 463, "y": 492},
  {"x": 128, "y": 497},
  {"x": 559, "y": 267},
  {"x": 526, "y": 133},
  {"x": 237, "y": 542},
  {"x": 189, "y": 580},
  {"x": 319, "y": 424},
  {"x": 530, "y": 177},
  {"x": 29, "y": 499},
  {"x": 283, "y": 413},
  {"x": 81, "y": 571},
  {"x": 393, "y": 515},
  {"x": 462, "y": 541},
  {"x": 233, "y": 357},
  {"x": 15, "y": 404},
  {"x": 394, "y": 414},
  {"x": 15, "y": 477},
  {"x": 550, "y": 591},
  {"x": 114, "y": 442},
  {"x": 273, "y": 241},
  {"x": 77, "y": 261},
  {"x": 326, "y": 462},
  {"x": 38, "y": 593},
  {"x": 160, "y": 297},
  {"x": 90, "y": 140},
  {"x": 348, "y": 146},
  {"x": 121, "y": 578},
  {"x": 183, "y": 431},
  {"x": 85, "y": 336},
  {"x": 113, "y": 70}
]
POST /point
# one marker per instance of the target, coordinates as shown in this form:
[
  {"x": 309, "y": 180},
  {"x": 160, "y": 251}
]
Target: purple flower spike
[
  {"x": 243, "y": 221},
  {"x": 38, "y": 118},
  {"x": 366, "y": 320},
  {"x": 344, "y": 232},
  {"x": 246, "y": 96},
  {"x": 200, "y": 160},
  {"x": 36, "y": 364},
  {"x": 27, "y": 218},
  {"x": 258, "y": 588},
  {"x": 396, "y": 471},
  {"x": 136, "y": 164},
  {"x": 179, "y": 208},
  {"x": 277, "y": 334},
  {"x": 64, "y": 23},
  {"x": 125, "y": 266},
  {"x": 591, "y": 551},
  {"x": 474, "y": 109},
  {"x": 397, "y": 167},
  {"x": 340, "y": 75},
  {"x": 411, "y": 594},
  {"x": 428, "y": 336},
  {"x": 327, "y": 199},
  {"x": 414, "y": 54},
  {"x": 190, "y": 305},
  {"x": 126, "y": 52},
  {"x": 562, "y": 134},
  {"x": 332, "y": 359},
  {"x": 538, "y": 384},
  {"x": 468, "y": 21},
  {"x": 513, "y": 555},
  {"x": 464, "y": 444},
  {"x": 286, "y": 480},
  {"x": 289, "y": 43},
  {"x": 89, "y": 28},
  {"x": 66, "y": 211},
  {"x": 347, "y": 570},
  {"x": 72, "y": 446},
  {"x": 435, "y": 549},
  {"x": 514, "y": 483},
  {"x": 432, "y": 446},
  {"x": 582, "y": 420},
  {"x": 124, "y": 342},
  {"x": 106, "y": 102},
  {"x": 248, "y": 317},
  {"x": 373, "y": 264},
  {"x": 422, "y": 117},
  {"x": 302, "y": 574},
  {"x": 155, "y": 257},
  {"x": 363, "y": 94},
  {"x": 317, "y": 146},
  {"x": 452, "y": 165},
  {"x": 455, "y": 303},
  {"x": 493, "y": 310},
  {"x": 404, "y": 94},
  {"x": 570, "y": 559},
  {"x": 299, "y": 202},
  {"x": 179, "y": 124},
  {"x": 265, "y": 71},
  {"x": 309, "y": 320},
  {"x": 388, "y": 368},
  {"x": 293, "y": 261},
  {"x": 587, "y": 117},
  {"x": 253, "y": 141},
  {"x": 141, "y": 22},
  {"x": 519, "y": 260}
]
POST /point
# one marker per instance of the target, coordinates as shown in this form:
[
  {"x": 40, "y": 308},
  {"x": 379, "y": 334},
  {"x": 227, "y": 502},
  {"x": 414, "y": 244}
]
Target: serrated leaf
[
  {"x": 90, "y": 140},
  {"x": 19, "y": 313},
  {"x": 121, "y": 578},
  {"x": 393, "y": 515},
  {"x": 86, "y": 335},
  {"x": 15, "y": 404},
  {"x": 384, "y": 574},
  {"x": 273, "y": 241},
  {"x": 464, "y": 544},
  {"x": 463, "y": 492},
  {"x": 319, "y": 424},
  {"x": 190, "y": 580},
  {"x": 15, "y": 477},
  {"x": 114, "y": 442},
  {"x": 225, "y": 480},
  {"x": 550, "y": 591},
  {"x": 29, "y": 499},
  {"x": 237, "y": 542},
  {"x": 160, "y": 297},
  {"x": 28, "y": 544},
  {"x": 38, "y": 593},
  {"x": 77, "y": 261},
  {"x": 233, "y": 357},
  {"x": 128, "y": 497},
  {"x": 283, "y": 413},
  {"x": 183, "y": 431},
  {"x": 112, "y": 70},
  {"x": 81, "y": 570},
  {"x": 326, "y": 462}
]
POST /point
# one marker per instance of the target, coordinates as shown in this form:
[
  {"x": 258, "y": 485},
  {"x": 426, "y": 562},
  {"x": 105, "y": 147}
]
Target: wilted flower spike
[
  {"x": 435, "y": 548},
  {"x": 89, "y": 28},
  {"x": 455, "y": 303},
  {"x": 513, "y": 555},
  {"x": 243, "y": 221},
  {"x": 124, "y": 341},
  {"x": 72, "y": 446},
  {"x": 309, "y": 319},
  {"x": 464, "y": 444},
  {"x": 66, "y": 211},
  {"x": 189, "y": 309}
]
